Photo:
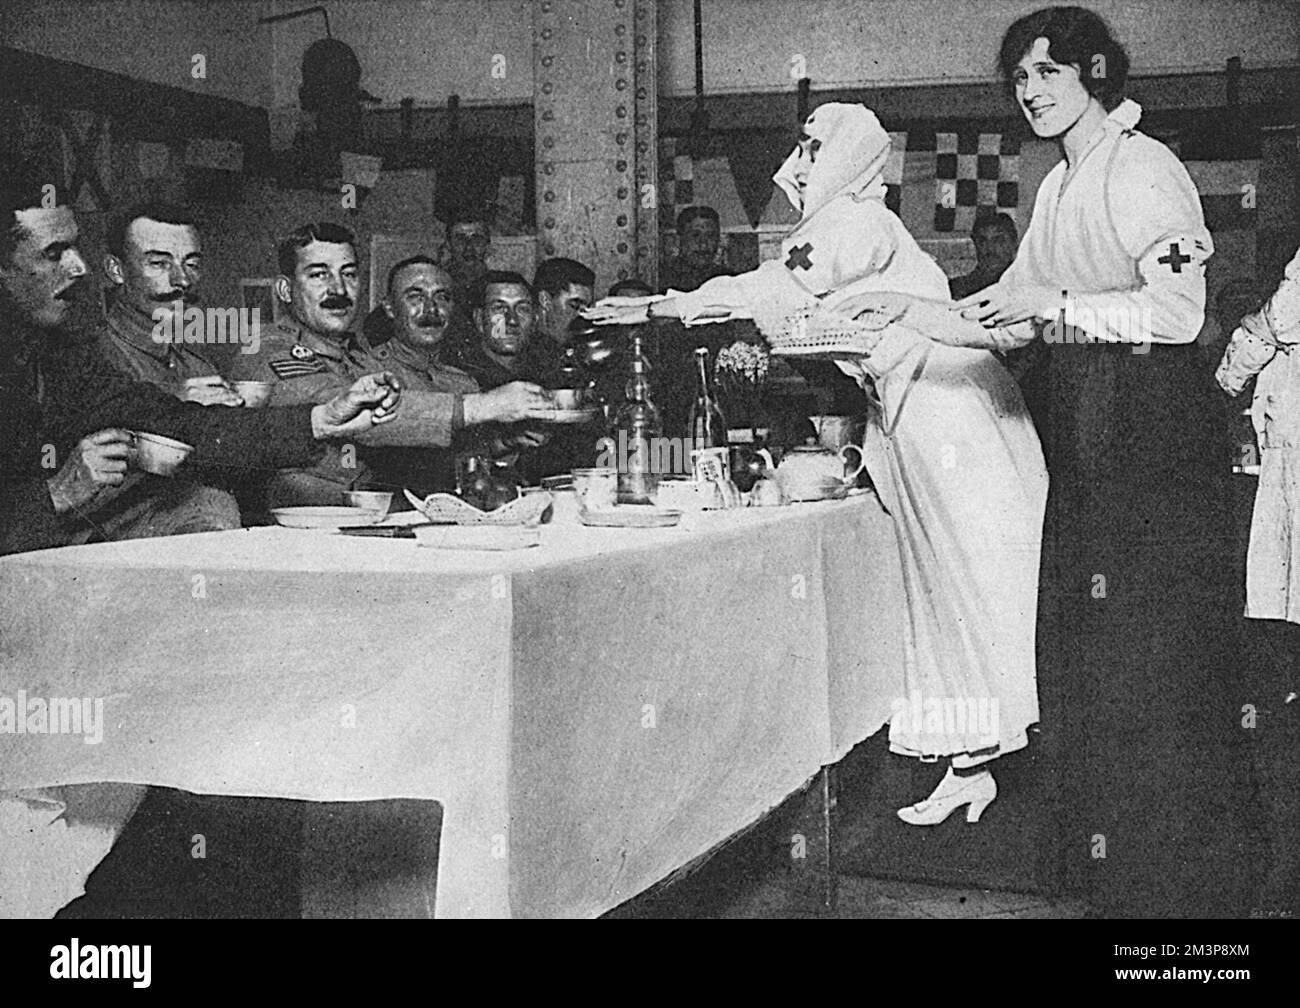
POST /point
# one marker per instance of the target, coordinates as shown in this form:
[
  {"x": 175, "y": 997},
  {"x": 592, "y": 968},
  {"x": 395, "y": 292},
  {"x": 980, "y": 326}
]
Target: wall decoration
[{"x": 259, "y": 293}]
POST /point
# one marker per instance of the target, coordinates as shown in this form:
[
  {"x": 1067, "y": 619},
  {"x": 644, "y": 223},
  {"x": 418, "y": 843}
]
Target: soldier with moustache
[
  {"x": 312, "y": 353},
  {"x": 421, "y": 305}
]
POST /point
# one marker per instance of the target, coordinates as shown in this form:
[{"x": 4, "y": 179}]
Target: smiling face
[
  {"x": 322, "y": 293},
  {"x": 420, "y": 305},
  {"x": 506, "y": 319},
  {"x": 1051, "y": 94},
  {"x": 159, "y": 271},
  {"x": 45, "y": 267}
]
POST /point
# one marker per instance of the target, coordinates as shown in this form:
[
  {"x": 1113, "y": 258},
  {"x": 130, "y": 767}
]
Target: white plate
[
  {"x": 631, "y": 516},
  {"x": 324, "y": 517}
]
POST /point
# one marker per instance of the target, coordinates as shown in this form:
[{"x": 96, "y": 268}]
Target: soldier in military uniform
[
  {"x": 420, "y": 303},
  {"x": 310, "y": 355}
]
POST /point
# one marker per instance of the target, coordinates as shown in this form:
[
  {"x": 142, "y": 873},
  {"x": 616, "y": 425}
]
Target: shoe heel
[{"x": 976, "y": 808}]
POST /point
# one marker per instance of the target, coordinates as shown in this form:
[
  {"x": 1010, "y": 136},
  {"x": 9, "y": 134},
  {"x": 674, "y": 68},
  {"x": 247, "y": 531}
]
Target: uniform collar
[
  {"x": 136, "y": 329},
  {"x": 1126, "y": 114},
  {"x": 417, "y": 360},
  {"x": 321, "y": 346}
]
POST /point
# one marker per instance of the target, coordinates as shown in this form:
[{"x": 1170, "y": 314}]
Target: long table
[{"x": 592, "y": 713}]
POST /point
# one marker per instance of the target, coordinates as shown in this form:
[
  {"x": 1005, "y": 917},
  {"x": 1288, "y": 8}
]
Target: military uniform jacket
[
  {"x": 125, "y": 340},
  {"x": 56, "y": 389},
  {"x": 304, "y": 367},
  {"x": 421, "y": 470}
]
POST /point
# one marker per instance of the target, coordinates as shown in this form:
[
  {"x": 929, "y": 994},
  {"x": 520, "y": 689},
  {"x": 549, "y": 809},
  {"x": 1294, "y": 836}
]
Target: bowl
[
  {"x": 378, "y": 501},
  {"x": 159, "y": 455},
  {"x": 255, "y": 394},
  {"x": 323, "y": 517}
]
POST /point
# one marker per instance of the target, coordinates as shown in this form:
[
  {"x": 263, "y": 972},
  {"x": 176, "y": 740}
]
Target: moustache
[
  {"x": 69, "y": 292},
  {"x": 186, "y": 296},
  {"x": 336, "y": 302},
  {"x": 428, "y": 322}
]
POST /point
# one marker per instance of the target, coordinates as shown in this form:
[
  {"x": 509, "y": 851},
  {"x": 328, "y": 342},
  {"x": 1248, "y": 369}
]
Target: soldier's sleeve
[
  {"x": 27, "y": 517},
  {"x": 294, "y": 380},
  {"x": 424, "y": 419}
]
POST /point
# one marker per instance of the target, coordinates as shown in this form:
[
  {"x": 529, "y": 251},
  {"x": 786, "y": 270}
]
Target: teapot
[{"x": 811, "y": 472}]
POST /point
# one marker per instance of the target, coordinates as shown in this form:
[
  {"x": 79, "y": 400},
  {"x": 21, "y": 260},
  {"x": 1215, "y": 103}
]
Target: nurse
[
  {"x": 951, "y": 448},
  {"x": 1136, "y": 600}
]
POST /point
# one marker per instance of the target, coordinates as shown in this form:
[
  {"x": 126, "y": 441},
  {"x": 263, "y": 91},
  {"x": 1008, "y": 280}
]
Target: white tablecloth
[{"x": 593, "y": 713}]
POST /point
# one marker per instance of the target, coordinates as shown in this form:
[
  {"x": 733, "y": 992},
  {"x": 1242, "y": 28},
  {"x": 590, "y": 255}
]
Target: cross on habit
[
  {"x": 800, "y": 256},
  {"x": 1175, "y": 258}
]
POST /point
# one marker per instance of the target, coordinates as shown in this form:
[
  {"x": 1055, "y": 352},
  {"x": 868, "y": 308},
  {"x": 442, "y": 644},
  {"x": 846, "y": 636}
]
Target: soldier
[
  {"x": 154, "y": 261},
  {"x": 421, "y": 306},
  {"x": 309, "y": 356}
]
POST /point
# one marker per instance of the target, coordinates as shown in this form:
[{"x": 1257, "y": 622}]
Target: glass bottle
[
  {"x": 637, "y": 431},
  {"x": 708, "y": 427}
]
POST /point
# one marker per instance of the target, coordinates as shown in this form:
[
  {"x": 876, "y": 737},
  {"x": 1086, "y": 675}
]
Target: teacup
[
  {"x": 159, "y": 455},
  {"x": 376, "y": 501},
  {"x": 568, "y": 398},
  {"x": 597, "y": 489},
  {"x": 255, "y": 394}
]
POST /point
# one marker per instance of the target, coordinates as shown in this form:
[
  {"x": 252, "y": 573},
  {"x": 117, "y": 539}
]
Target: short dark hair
[
  {"x": 415, "y": 260},
  {"x": 696, "y": 213},
  {"x": 163, "y": 213},
  {"x": 631, "y": 283},
  {"x": 553, "y": 275},
  {"x": 1074, "y": 35},
  {"x": 1000, "y": 222},
  {"x": 479, "y": 291},
  {"x": 299, "y": 238},
  {"x": 19, "y": 190}
]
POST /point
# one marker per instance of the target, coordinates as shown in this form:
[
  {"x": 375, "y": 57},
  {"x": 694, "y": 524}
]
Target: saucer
[{"x": 631, "y": 516}]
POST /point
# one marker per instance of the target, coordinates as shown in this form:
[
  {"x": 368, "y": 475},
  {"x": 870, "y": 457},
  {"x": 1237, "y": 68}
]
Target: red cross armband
[{"x": 1175, "y": 259}]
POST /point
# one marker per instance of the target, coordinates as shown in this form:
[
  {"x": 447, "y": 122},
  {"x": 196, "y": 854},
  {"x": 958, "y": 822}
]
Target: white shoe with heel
[{"x": 976, "y": 791}]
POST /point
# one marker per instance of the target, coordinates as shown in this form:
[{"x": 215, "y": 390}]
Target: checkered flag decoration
[
  {"x": 676, "y": 180},
  {"x": 975, "y": 175}
]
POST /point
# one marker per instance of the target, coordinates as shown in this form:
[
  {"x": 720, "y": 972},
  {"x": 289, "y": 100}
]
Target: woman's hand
[
  {"x": 1000, "y": 305},
  {"x": 626, "y": 310},
  {"x": 935, "y": 320}
]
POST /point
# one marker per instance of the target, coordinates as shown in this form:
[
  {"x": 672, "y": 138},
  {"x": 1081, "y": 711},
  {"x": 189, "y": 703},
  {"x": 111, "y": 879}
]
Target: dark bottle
[
  {"x": 708, "y": 427},
  {"x": 637, "y": 433}
]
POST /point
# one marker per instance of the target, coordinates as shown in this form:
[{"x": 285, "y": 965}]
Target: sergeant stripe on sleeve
[{"x": 296, "y": 368}]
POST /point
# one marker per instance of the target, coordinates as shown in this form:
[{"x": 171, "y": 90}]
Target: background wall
[
  {"x": 750, "y": 44},
  {"x": 428, "y": 49},
  {"x": 152, "y": 40}
]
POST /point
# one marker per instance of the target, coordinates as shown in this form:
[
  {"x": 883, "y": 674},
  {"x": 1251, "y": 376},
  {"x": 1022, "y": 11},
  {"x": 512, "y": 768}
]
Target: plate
[
  {"x": 567, "y": 416},
  {"x": 825, "y": 491},
  {"x": 477, "y": 537},
  {"x": 631, "y": 516},
  {"x": 323, "y": 517}
]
